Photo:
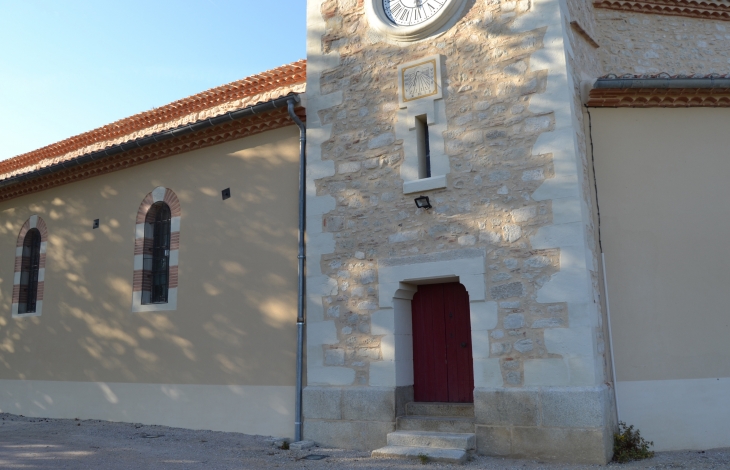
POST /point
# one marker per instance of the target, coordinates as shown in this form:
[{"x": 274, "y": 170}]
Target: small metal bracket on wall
[
  {"x": 226, "y": 193},
  {"x": 96, "y": 224}
]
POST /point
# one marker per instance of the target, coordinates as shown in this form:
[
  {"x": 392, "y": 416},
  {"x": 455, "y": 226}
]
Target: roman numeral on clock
[{"x": 402, "y": 13}]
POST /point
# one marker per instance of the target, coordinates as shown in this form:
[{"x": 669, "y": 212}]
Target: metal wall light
[
  {"x": 226, "y": 193},
  {"x": 422, "y": 202}
]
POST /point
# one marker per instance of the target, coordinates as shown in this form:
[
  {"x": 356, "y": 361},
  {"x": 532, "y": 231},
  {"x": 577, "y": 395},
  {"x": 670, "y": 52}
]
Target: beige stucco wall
[
  {"x": 665, "y": 219},
  {"x": 235, "y": 321}
]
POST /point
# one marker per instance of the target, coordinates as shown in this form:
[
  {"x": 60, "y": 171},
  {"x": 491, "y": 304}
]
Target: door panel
[{"x": 442, "y": 361}]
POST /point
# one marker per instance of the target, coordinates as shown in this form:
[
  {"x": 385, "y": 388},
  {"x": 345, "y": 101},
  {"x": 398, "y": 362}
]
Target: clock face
[{"x": 412, "y": 12}]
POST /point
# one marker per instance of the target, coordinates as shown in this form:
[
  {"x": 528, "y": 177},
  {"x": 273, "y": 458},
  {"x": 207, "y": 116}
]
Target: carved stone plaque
[{"x": 420, "y": 79}]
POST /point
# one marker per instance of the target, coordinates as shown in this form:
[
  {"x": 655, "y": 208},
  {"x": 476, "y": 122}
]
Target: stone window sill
[{"x": 425, "y": 184}]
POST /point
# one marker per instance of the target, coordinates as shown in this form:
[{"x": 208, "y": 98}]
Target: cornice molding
[
  {"x": 659, "y": 98},
  {"x": 712, "y": 10},
  {"x": 208, "y": 137}
]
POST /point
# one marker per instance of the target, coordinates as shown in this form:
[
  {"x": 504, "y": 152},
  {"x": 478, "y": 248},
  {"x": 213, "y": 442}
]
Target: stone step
[
  {"x": 438, "y": 440},
  {"x": 435, "y": 424},
  {"x": 440, "y": 409},
  {"x": 425, "y": 454}
]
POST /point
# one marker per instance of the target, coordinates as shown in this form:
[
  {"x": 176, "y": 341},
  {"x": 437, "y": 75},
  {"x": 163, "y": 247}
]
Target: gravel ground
[{"x": 35, "y": 443}]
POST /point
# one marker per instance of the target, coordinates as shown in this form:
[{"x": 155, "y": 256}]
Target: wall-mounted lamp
[
  {"x": 226, "y": 193},
  {"x": 422, "y": 202}
]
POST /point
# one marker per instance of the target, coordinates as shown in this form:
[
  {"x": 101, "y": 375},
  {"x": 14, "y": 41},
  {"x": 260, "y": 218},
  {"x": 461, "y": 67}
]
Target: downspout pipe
[
  {"x": 301, "y": 257},
  {"x": 151, "y": 139}
]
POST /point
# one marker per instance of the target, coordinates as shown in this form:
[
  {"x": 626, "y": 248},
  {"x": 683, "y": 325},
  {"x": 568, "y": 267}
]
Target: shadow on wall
[{"x": 235, "y": 321}]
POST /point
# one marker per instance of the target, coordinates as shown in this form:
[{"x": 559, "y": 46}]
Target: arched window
[
  {"x": 156, "y": 247},
  {"x": 156, "y": 254},
  {"x": 30, "y": 268}
]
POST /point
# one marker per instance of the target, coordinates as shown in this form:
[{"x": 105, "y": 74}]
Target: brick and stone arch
[
  {"x": 33, "y": 223},
  {"x": 143, "y": 240}
]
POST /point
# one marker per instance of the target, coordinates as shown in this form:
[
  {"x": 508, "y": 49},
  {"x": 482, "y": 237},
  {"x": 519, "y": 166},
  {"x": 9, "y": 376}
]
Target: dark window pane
[
  {"x": 157, "y": 252},
  {"x": 29, "y": 269}
]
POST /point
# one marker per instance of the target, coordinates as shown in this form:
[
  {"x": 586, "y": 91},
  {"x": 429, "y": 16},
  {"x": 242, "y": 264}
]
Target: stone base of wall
[
  {"x": 566, "y": 424},
  {"x": 573, "y": 424},
  {"x": 589, "y": 446},
  {"x": 352, "y": 418}
]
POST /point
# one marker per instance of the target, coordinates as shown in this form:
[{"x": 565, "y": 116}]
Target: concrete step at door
[
  {"x": 435, "y": 424},
  {"x": 465, "y": 410},
  {"x": 425, "y": 454},
  {"x": 438, "y": 440}
]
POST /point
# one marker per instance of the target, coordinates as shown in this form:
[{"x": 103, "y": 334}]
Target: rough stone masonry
[{"x": 515, "y": 219}]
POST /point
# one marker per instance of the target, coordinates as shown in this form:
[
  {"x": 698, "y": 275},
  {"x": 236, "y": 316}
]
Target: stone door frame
[{"x": 398, "y": 280}]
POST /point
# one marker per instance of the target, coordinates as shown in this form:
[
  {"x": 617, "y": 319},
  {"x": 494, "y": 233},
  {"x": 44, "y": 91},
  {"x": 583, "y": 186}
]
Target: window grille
[
  {"x": 156, "y": 259},
  {"x": 30, "y": 268}
]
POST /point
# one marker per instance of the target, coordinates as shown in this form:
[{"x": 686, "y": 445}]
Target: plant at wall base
[
  {"x": 284, "y": 445},
  {"x": 423, "y": 458},
  {"x": 628, "y": 445}
]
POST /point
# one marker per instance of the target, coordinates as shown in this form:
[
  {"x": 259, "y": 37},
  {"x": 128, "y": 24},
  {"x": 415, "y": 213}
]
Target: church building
[{"x": 460, "y": 226}]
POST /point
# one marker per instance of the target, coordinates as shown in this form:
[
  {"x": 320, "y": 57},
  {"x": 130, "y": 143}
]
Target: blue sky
[{"x": 70, "y": 66}]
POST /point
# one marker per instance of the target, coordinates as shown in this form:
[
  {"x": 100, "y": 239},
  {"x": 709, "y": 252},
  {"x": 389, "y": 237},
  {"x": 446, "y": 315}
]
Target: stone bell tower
[{"x": 451, "y": 253}]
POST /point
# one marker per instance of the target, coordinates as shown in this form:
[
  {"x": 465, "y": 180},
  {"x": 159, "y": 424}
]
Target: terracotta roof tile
[
  {"x": 663, "y": 75},
  {"x": 659, "y": 98},
  {"x": 265, "y": 86},
  {"x": 715, "y": 9}
]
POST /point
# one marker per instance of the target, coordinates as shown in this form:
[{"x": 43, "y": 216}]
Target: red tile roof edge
[
  {"x": 689, "y": 8},
  {"x": 659, "y": 98},
  {"x": 260, "y": 88},
  {"x": 662, "y": 75}
]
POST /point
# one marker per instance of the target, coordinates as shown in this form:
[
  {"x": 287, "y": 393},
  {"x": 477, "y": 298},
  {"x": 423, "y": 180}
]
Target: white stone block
[
  {"x": 558, "y": 236},
  {"x": 324, "y": 375},
  {"x": 582, "y": 315},
  {"x": 382, "y": 322},
  {"x": 382, "y": 374},
  {"x": 570, "y": 342},
  {"x": 475, "y": 285},
  {"x": 387, "y": 347},
  {"x": 416, "y": 185},
  {"x": 320, "y": 205},
  {"x": 487, "y": 373},
  {"x": 480, "y": 344},
  {"x": 549, "y": 372},
  {"x": 158, "y": 194},
  {"x": 583, "y": 371},
  {"x": 321, "y": 333},
  {"x": 484, "y": 315},
  {"x": 566, "y": 211},
  {"x": 572, "y": 283}
]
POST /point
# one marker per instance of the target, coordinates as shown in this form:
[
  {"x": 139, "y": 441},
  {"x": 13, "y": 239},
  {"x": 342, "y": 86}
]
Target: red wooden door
[{"x": 442, "y": 362}]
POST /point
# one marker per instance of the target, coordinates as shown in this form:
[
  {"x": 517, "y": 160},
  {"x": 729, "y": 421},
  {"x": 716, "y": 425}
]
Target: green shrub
[{"x": 628, "y": 445}]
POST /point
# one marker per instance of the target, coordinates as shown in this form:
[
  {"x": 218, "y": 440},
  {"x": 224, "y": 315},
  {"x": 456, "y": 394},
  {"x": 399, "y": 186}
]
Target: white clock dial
[{"x": 412, "y": 12}]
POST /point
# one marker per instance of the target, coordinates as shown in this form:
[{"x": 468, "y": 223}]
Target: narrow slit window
[
  {"x": 156, "y": 255},
  {"x": 424, "y": 152},
  {"x": 29, "y": 271}
]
